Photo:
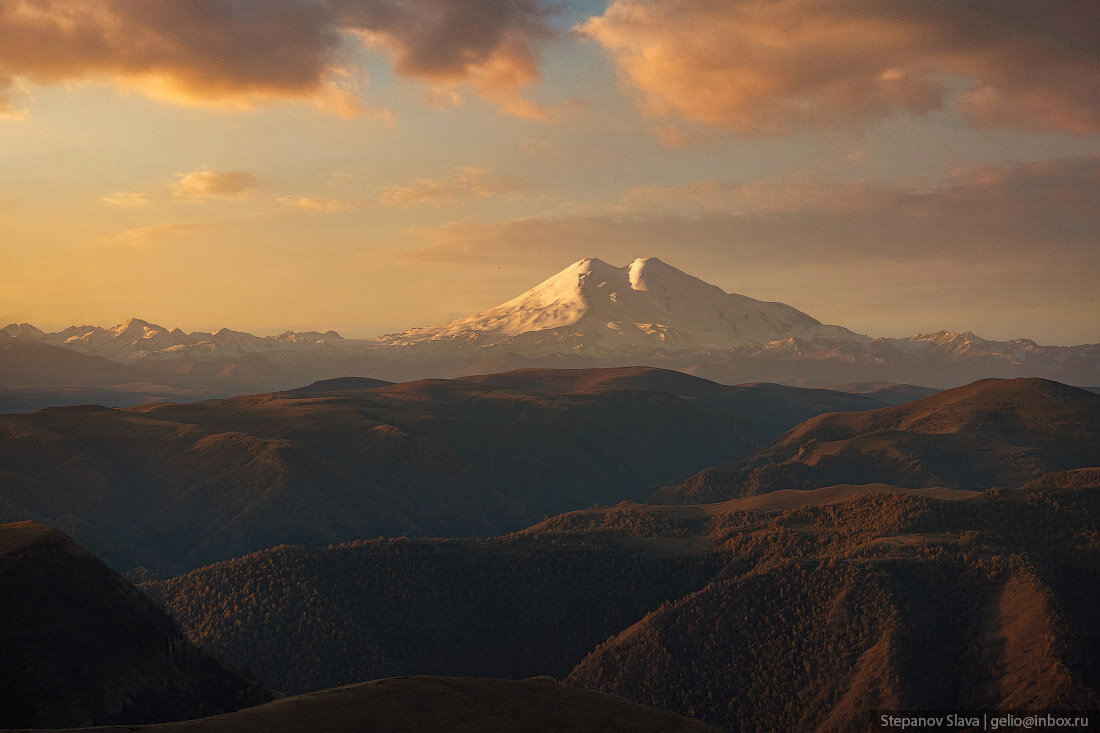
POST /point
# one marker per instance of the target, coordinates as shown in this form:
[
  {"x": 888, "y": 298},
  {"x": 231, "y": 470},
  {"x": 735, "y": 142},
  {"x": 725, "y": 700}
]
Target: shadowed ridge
[
  {"x": 562, "y": 381},
  {"x": 888, "y": 392},
  {"x": 82, "y": 645},
  {"x": 19, "y": 537},
  {"x": 765, "y": 613},
  {"x": 830, "y": 614},
  {"x": 339, "y": 384}
]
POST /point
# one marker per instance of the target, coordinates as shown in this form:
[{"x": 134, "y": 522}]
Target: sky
[{"x": 373, "y": 165}]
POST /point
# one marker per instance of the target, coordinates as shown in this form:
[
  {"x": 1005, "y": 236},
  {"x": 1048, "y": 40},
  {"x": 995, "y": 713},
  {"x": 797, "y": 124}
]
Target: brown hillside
[
  {"x": 989, "y": 433},
  {"x": 825, "y": 614},
  {"x": 172, "y": 487},
  {"x": 747, "y": 614}
]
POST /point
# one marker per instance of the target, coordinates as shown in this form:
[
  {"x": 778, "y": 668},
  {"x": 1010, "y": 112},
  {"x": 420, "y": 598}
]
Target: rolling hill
[
  {"x": 986, "y": 434},
  {"x": 82, "y": 646},
  {"x": 174, "y": 486},
  {"x": 310, "y": 619}
]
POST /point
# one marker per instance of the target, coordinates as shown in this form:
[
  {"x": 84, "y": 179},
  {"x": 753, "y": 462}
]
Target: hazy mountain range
[{"x": 590, "y": 314}]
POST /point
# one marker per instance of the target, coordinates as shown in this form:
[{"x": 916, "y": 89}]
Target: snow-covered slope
[{"x": 597, "y": 307}]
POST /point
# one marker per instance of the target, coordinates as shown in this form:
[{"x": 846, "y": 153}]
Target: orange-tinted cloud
[
  {"x": 797, "y": 192},
  {"x": 15, "y": 98},
  {"x": 469, "y": 181},
  {"x": 765, "y": 68},
  {"x": 208, "y": 184},
  {"x": 129, "y": 199},
  {"x": 235, "y": 52},
  {"x": 320, "y": 205},
  {"x": 146, "y": 236}
]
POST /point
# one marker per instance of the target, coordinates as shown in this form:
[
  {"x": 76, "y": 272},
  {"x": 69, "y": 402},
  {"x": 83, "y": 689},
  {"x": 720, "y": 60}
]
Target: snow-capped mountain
[
  {"x": 592, "y": 314},
  {"x": 592, "y": 308}
]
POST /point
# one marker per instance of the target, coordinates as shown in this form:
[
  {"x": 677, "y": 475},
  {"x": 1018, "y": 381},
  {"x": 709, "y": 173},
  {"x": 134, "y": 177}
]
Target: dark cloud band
[{"x": 217, "y": 50}]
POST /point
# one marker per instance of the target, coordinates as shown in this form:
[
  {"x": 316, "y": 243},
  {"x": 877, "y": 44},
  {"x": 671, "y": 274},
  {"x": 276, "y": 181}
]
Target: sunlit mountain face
[{"x": 308, "y": 423}]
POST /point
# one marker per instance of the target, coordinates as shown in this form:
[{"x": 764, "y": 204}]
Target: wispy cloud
[
  {"x": 209, "y": 184},
  {"x": 149, "y": 235},
  {"x": 988, "y": 248},
  {"x": 767, "y": 68},
  {"x": 137, "y": 199},
  {"x": 469, "y": 182},
  {"x": 16, "y": 99},
  {"x": 321, "y": 205},
  {"x": 542, "y": 149},
  {"x": 196, "y": 186}
]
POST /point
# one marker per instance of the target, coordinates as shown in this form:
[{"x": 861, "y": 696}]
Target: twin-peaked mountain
[
  {"x": 594, "y": 309},
  {"x": 589, "y": 314}
]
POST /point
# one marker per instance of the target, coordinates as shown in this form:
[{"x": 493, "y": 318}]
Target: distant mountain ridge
[
  {"x": 174, "y": 486},
  {"x": 591, "y": 314},
  {"x": 137, "y": 340}
]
